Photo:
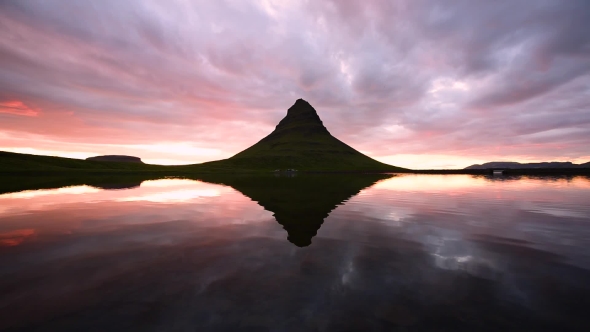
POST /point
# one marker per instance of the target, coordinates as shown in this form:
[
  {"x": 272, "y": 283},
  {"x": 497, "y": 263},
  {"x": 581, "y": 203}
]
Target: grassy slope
[
  {"x": 10, "y": 162},
  {"x": 25, "y": 163},
  {"x": 302, "y": 142},
  {"x": 311, "y": 152}
]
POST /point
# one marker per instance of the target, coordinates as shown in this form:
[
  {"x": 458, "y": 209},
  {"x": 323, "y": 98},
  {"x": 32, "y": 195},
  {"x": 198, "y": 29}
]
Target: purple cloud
[{"x": 457, "y": 78}]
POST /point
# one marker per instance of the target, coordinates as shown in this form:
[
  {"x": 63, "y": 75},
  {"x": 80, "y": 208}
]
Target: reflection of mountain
[{"x": 299, "y": 203}]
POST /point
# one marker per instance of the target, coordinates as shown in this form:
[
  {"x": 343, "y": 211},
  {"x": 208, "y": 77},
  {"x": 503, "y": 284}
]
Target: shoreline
[{"x": 173, "y": 173}]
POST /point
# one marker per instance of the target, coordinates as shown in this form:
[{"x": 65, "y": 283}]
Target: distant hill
[
  {"x": 20, "y": 162},
  {"x": 116, "y": 158},
  {"x": 516, "y": 165},
  {"x": 300, "y": 141}
]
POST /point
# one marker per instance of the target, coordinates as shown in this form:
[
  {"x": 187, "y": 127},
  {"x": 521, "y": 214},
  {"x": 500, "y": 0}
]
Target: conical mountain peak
[{"x": 301, "y": 141}]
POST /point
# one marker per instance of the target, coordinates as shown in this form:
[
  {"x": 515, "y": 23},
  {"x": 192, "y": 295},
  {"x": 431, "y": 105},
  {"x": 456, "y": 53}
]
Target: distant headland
[{"x": 516, "y": 165}]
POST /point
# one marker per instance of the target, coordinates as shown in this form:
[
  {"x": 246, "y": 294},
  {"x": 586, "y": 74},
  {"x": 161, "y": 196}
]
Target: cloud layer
[{"x": 403, "y": 81}]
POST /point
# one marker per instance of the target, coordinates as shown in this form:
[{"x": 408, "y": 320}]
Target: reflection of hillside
[
  {"x": 9, "y": 184},
  {"x": 300, "y": 204}
]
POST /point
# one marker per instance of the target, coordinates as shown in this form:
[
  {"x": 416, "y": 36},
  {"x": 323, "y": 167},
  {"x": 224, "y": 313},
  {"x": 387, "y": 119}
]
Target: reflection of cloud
[
  {"x": 462, "y": 183},
  {"x": 557, "y": 212},
  {"x": 163, "y": 183},
  {"x": 15, "y": 237},
  {"x": 430, "y": 267},
  {"x": 170, "y": 191},
  {"x": 430, "y": 182},
  {"x": 177, "y": 190},
  {"x": 477, "y": 266},
  {"x": 173, "y": 196},
  {"x": 348, "y": 274},
  {"x": 75, "y": 190},
  {"x": 567, "y": 209}
]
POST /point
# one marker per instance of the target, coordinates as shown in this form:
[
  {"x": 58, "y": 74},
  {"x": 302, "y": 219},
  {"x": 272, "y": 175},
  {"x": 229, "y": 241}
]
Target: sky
[{"x": 413, "y": 83}]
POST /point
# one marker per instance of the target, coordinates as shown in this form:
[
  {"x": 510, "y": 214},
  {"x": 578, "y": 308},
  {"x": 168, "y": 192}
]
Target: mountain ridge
[{"x": 517, "y": 165}]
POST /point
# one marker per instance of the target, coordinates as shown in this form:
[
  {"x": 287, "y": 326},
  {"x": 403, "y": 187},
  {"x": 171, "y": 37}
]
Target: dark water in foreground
[{"x": 408, "y": 253}]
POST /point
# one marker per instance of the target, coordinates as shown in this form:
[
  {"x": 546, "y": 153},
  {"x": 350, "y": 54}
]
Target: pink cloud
[
  {"x": 221, "y": 76},
  {"x": 17, "y": 108}
]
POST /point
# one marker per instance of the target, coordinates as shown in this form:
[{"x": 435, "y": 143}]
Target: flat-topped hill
[{"x": 116, "y": 158}]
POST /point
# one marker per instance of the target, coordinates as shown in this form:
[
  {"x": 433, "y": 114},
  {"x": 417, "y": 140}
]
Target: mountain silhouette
[
  {"x": 300, "y": 203},
  {"x": 301, "y": 141}
]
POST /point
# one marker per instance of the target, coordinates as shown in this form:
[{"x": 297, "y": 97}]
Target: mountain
[
  {"x": 300, "y": 203},
  {"x": 516, "y": 165},
  {"x": 301, "y": 141},
  {"x": 116, "y": 158}
]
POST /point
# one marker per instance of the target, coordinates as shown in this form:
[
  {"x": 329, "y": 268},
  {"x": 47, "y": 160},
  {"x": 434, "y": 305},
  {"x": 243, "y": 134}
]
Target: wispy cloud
[{"x": 16, "y": 108}]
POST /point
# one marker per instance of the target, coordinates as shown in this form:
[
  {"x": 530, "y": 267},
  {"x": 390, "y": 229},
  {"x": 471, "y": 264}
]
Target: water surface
[{"x": 303, "y": 253}]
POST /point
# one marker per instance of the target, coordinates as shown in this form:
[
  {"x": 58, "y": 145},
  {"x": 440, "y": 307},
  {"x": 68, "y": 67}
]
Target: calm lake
[{"x": 298, "y": 253}]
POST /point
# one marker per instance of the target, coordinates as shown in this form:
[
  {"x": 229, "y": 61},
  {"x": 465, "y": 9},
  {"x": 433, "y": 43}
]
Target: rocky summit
[{"x": 301, "y": 142}]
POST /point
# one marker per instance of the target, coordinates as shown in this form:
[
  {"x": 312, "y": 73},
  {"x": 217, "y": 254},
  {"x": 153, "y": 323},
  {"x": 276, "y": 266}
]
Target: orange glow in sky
[{"x": 184, "y": 83}]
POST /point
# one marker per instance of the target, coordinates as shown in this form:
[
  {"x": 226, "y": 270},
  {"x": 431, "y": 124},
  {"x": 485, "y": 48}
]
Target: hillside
[
  {"x": 301, "y": 141},
  {"x": 10, "y": 162}
]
